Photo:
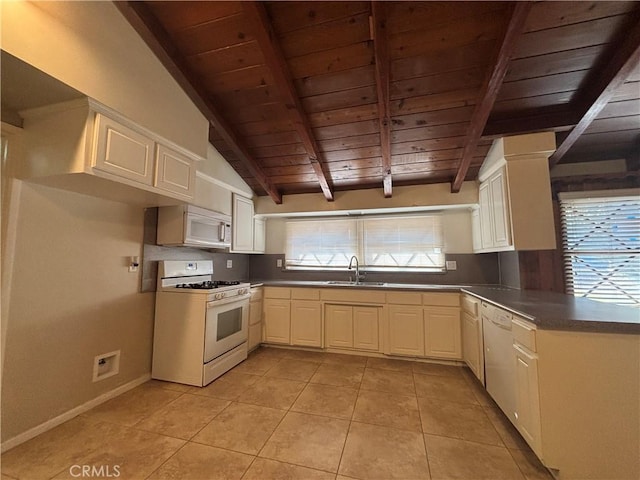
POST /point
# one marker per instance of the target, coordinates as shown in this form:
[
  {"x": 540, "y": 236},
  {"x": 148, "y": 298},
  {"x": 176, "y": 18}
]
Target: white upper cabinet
[
  {"x": 83, "y": 136},
  {"x": 516, "y": 210},
  {"x": 248, "y": 230}
]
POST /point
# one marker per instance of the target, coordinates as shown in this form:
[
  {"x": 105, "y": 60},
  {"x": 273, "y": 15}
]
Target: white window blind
[
  {"x": 601, "y": 237},
  {"x": 380, "y": 243},
  {"x": 320, "y": 243}
]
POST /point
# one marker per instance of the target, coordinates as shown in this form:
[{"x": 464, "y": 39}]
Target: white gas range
[{"x": 200, "y": 324}]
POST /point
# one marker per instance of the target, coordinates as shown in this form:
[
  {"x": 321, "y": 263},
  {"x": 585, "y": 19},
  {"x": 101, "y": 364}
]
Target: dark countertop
[
  {"x": 547, "y": 310},
  {"x": 556, "y": 311}
]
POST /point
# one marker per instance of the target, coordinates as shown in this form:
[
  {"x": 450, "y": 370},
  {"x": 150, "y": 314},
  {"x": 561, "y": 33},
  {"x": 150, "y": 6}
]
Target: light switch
[
  {"x": 279, "y": 263},
  {"x": 451, "y": 265},
  {"x": 229, "y": 263}
]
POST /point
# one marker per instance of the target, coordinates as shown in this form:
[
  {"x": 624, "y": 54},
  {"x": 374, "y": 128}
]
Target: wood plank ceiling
[{"x": 327, "y": 96}]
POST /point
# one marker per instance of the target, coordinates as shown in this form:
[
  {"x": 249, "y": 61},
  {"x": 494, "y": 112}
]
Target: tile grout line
[{"x": 422, "y": 433}]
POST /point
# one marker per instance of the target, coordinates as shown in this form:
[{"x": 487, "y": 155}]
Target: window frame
[
  {"x": 360, "y": 252},
  {"x": 595, "y": 251}
]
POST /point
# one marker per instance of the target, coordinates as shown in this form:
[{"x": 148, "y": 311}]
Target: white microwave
[{"x": 191, "y": 226}]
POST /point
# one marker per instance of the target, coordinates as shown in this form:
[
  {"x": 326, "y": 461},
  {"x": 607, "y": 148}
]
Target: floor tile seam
[
  {"x": 230, "y": 402},
  {"x": 398, "y": 429},
  {"x": 344, "y": 445},
  {"x": 524, "y": 475},
  {"x": 424, "y": 440},
  {"x": 442, "y": 399},
  {"x": 226, "y": 449},
  {"x": 166, "y": 460},
  {"x": 297, "y": 464},
  {"x": 467, "y": 440}
]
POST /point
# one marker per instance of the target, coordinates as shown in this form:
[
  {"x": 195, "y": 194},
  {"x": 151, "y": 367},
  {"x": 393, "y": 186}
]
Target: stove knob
[{"x": 218, "y": 296}]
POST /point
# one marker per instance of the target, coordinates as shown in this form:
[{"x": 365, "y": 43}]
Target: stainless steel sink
[{"x": 354, "y": 284}]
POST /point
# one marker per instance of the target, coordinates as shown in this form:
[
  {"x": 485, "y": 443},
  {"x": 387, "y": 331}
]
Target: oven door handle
[{"x": 226, "y": 300}]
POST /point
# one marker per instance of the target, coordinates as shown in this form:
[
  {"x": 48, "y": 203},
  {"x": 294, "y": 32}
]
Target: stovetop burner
[{"x": 208, "y": 285}]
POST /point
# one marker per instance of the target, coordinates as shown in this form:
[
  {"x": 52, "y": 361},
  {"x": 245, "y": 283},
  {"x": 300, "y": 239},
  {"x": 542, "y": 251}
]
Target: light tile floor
[{"x": 290, "y": 414}]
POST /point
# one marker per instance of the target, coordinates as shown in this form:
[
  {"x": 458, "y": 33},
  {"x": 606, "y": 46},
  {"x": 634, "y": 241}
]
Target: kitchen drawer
[
  {"x": 305, "y": 294},
  {"x": 524, "y": 333},
  {"x": 277, "y": 292},
  {"x": 470, "y": 305},
  {"x": 404, "y": 298},
  {"x": 441, "y": 299},
  {"x": 256, "y": 294}
]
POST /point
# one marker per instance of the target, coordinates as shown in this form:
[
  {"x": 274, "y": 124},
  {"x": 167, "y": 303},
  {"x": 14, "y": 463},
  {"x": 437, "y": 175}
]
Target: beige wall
[
  {"x": 72, "y": 298},
  {"x": 91, "y": 47}
]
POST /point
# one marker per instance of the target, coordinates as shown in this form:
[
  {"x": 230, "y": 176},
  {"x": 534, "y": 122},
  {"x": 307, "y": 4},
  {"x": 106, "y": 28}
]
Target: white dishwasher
[{"x": 499, "y": 362}]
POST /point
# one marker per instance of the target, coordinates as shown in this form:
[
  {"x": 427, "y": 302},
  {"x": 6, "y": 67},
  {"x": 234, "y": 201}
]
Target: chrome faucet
[{"x": 357, "y": 267}]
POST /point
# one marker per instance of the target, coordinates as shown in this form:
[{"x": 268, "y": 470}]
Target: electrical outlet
[
  {"x": 451, "y": 265},
  {"x": 229, "y": 263},
  {"x": 279, "y": 263},
  {"x": 106, "y": 365}
]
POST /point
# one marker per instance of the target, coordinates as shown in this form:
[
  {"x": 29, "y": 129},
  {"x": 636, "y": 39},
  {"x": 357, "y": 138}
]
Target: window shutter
[{"x": 320, "y": 243}]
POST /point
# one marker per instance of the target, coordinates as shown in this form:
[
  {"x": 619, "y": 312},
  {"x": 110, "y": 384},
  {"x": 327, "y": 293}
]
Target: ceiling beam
[
  {"x": 155, "y": 36},
  {"x": 262, "y": 30},
  {"x": 381, "y": 55},
  {"x": 491, "y": 87},
  {"x": 624, "y": 57},
  {"x": 541, "y": 120}
]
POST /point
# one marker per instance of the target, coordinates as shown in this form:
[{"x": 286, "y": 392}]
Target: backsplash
[{"x": 480, "y": 269}]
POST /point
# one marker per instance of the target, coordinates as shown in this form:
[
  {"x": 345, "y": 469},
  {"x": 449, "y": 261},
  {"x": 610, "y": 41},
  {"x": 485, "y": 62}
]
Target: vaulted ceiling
[{"x": 326, "y": 96}]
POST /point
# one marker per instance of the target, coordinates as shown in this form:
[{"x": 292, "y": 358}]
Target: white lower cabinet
[
  {"x": 306, "y": 323},
  {"x": 442, "y": 337},
  {"x": 354, "y": 327},
  {"x": 277, "y": 320},
  {"x": 406, "y": 330},
  {"x": 527, "y": 414}
]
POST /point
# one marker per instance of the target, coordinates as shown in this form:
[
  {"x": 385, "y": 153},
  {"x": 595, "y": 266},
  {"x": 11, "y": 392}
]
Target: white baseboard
[{"x": 74, "y": 412}]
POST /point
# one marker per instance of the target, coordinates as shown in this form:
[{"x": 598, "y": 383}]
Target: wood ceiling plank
[
  {"x": 612, "y": 124},
  {"x": 271, "y": 49},
  {"x": 347, "y": 130},
  {"x": 429, "y": 41},
  {"x": 236, "y": 99},
  {"x": 326, "y": 36},
  {"x": 467, "y": 56},
  {"x": 424, "y": 133},
  {"x": 289, "y": 170},
  {"x": 285, "y": 138},
  {"x": 180, "y": 15},
  {"x": 438, "y": 83},
  {"x": 570, "y": 37},
  {"x": 382, "y": 77},
  {"x": 334, "y": 82},
  {"x": 438, "y": 101},
  {"x": 310, "y": 178},
  {"x": 334, "y": 60},
  {"x": 439, "y": 155},
  {"x": 352, "y": 154},
  {"x": 226, "y": 59},
  {"x": 589, "y": 140},
  {"x": 212, "y": 35},
  {"x": 153, "y": 33},
  {"x": 428, "y": 145},
  {"x": 552, "y": 63},
  {"x": 548, "y": 85},
  {"x": 257, "y": 113},
  {"x": 517, "y": 18},
  {"x": 431, "y": 118},
  {"x": 242, "y": 79},
  {"x": 284, "y": 160},
  {"x": 557, "y": 14},
  {"x": 264, "y": 128},
  {"x": 408, "y": 16},
  {"x": 628, "y": 91},
  {"x": 344, "y": 115},
  {"x": 348, "y": 98},
  {"x": 620, "y": 109},
  {"x": 348, "y": 143},
  {"x": 279, "y": 150},
  {"x": 595, "y": 96},
  {"x": 290, "y": 16},
  {"x": 367, "y": 162}
]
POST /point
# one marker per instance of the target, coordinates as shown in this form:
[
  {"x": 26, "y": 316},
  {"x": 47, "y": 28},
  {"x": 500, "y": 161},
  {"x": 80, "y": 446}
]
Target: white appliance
[
  {"x": 191, "y": 226},
  {"x": 499, "y": 360},
  {"x": 201, "y": 325}
]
